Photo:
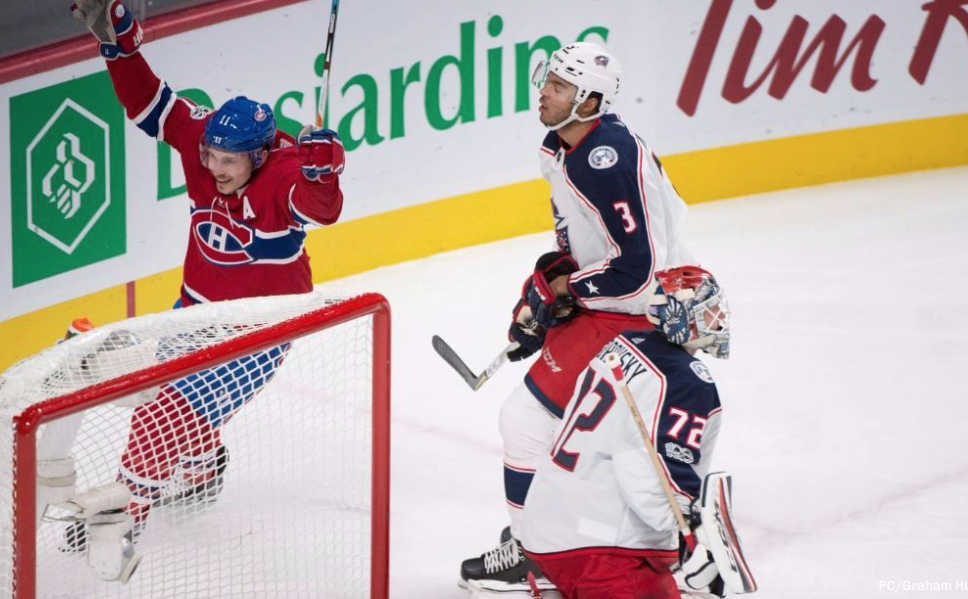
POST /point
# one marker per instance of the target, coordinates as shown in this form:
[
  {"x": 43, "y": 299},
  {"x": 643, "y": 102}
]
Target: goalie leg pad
[
  {"x": 110, "y": 548},
  {"x": 88, "y": 504},
  {"x": 718, "y": 533}
]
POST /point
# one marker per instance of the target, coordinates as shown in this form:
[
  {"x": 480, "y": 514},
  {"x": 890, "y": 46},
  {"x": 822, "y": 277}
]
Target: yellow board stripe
[
  {"x": 426, "y": 229},
  {"x": 512, "y": 210},
  {"x": 819, "y": 158}
]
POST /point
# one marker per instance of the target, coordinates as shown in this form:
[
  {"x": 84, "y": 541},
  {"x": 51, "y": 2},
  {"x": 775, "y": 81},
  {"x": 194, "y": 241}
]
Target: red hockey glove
[
  {"x": 322, "y": 153},
  {"x": 549, "y": 309},
  {"x": 112, "y": 24}
]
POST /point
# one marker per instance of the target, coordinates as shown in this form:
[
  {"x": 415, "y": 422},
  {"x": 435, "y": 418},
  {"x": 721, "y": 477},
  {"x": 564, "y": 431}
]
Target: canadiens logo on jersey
[{"x": 220, "y": 239}]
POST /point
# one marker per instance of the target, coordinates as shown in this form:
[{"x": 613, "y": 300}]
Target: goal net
[{"x": 253, "y": 436}]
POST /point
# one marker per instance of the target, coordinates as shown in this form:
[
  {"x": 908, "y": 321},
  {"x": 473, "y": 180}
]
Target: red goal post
[{"x": 330, "y": 315}]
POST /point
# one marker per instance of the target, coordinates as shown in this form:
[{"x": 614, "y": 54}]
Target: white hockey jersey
[
  {"x": 597, "y": 488},
  {"x": 616, "y": 213}
]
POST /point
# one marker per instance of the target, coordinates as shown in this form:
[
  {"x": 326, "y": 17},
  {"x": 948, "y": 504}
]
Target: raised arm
[{"x": 148, "y": 101}]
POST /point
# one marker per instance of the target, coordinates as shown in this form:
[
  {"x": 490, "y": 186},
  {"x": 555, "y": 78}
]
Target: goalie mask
[
  {"x": 588, "y": 67},
  {"x": 689, "y": 307}
]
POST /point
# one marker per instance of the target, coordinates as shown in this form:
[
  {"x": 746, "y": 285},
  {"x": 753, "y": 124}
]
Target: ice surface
[{"x": 846, "y": 407}]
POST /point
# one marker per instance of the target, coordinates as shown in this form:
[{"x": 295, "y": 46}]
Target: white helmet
[{"x": 590, "y": 68}]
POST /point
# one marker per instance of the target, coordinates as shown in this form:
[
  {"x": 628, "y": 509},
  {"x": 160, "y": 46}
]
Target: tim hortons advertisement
[{"x": 433, "y": 100}]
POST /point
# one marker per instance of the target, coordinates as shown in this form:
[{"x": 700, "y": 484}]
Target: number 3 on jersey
[
  {"x": 628, "y": 223},
  {"x": 593, "y": 404}
]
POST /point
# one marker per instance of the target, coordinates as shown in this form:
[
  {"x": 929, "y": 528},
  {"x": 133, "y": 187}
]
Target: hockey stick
[
  {"x": 613, "y": 363},
  {"x": 474, "y": 381},
  {"x": 324, "y": 87}
]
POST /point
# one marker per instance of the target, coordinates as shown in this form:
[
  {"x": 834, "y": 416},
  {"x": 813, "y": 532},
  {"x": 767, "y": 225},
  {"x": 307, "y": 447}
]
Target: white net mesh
[{"x": 248, "y": 479}]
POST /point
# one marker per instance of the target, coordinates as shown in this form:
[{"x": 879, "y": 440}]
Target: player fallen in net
[{"x": 253, "y": 191}]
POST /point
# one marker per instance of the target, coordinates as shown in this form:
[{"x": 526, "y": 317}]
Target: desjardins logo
[
  {"x": 67, "y": 189},
  {"x": 361, "y": 101},
  {"x": 67, "y": 183}
]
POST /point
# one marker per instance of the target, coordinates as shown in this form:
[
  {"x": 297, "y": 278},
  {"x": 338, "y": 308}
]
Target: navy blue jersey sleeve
[
  {"x": 610, "y": 182},
  {"x": 688, "y": 426}
]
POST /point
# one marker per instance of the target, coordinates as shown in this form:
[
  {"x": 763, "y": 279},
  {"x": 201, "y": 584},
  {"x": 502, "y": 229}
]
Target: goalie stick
[
  {"x": 474, "y": 381},
  {"x": 615, "y": 365},
  {"x": 327, "y": 61},
  {"x": 716, "y": 533}
]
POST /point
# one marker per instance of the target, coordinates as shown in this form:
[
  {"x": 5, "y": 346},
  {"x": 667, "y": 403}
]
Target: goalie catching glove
[
  {"x": 112, "y": 24},
  {"x": 322, "y": 153}
]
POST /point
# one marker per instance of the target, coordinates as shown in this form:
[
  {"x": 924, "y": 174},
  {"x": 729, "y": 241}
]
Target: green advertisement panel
[{"x": 67, "y": 178}]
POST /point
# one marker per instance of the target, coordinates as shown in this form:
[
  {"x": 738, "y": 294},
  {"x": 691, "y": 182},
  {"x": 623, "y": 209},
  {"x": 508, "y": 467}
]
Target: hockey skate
[
  {"x": 502, "y": 570},
  {"x": 202, "y": 493}
]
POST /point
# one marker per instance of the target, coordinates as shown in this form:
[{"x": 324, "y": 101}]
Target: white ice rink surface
[{"x": 845, "y": 399}]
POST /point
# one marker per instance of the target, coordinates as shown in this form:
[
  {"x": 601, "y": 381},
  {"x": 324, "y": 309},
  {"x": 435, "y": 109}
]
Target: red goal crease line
[{"x": 83, "y": 47}]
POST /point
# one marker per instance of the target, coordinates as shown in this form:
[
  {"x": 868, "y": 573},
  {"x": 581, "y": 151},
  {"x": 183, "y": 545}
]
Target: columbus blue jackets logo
[
  {"x": 602, "y": 157},
  {"x": 602, "y": 60},
  {"x": 220, "y": 239},
  {"x": 702, "y": 371}
]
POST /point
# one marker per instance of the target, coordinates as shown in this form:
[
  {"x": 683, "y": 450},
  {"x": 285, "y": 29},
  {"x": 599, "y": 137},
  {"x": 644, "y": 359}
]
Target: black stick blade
[{"x": 451, "y": 357}]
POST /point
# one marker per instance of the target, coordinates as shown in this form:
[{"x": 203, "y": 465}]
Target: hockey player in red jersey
[
  {"x": 597, "y": 521},
  {"x": 251, "y": 189},
  {"x": 252, "y": 192},
  {"x": 617, "y": 222}
]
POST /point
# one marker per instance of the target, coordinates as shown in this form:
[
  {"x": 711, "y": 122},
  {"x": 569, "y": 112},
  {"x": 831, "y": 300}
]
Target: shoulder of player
[
  {"x": 609, "y": 151},
  {"x": 678, "y": 366},
  {"x": 280, "y": 170},
  {"x": 551, "y": 143},
  {"x": 283, "y": 150}
]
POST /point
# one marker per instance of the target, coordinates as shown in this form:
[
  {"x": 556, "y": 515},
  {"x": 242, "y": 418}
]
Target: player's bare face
[
  {"x": 556, "y": 100},
  {"x": 231, "y": 170}
]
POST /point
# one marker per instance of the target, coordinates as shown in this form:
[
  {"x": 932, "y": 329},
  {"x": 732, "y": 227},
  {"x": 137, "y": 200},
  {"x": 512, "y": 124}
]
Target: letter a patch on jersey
[{"x": 247, "y": 212}]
